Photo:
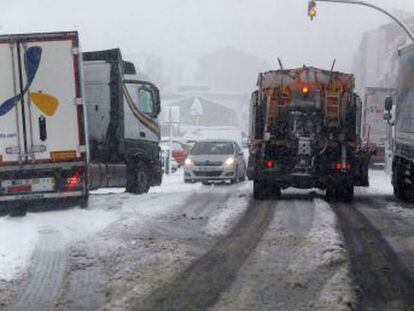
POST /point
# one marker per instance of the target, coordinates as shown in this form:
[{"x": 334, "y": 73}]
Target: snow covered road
[{"x": 192, "y": 247}]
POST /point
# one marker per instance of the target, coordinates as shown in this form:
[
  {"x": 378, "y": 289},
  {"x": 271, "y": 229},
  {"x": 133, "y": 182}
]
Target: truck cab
[{"x": 123, "y": 128}]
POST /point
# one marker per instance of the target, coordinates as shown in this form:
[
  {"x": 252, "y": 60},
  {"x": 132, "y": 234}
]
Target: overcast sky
[{"x": 181, "y": 30}]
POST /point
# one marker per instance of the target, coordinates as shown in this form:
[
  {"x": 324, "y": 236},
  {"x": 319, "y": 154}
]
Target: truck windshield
[
  {"x": 142, "y": 97},
  {"x": 213, "y": 148}
]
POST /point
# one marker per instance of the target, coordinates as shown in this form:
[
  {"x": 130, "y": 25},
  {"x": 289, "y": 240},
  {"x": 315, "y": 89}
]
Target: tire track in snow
[
  {"x": 201, "y": 283},
  {"x": 383, "y": 282},
  {"x": 46, "y": 273},
  {"x": 210, "y": 213},
  {"x": 299, "y": 264}
]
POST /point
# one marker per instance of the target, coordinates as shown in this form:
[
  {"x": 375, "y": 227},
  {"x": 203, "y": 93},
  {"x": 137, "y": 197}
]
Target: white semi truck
[
  {"x": 402, "y": 119},
  {"x": 45, "y": 102}
]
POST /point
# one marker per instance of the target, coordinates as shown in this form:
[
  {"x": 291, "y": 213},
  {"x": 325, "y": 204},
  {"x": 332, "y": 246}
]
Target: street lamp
[{"x": 357, "y": 2}]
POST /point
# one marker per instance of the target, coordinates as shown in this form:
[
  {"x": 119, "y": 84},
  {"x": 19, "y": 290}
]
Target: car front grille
[
  {"x": 208, "y": 174},
  {"x": 208, "y": 163}
]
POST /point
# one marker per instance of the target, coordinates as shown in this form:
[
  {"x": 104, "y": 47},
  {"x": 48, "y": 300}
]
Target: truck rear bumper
[
  {"x": 303, "y": 181},
  {"x": 43, "y": 183},
  {"x": 41, "y": 196}
]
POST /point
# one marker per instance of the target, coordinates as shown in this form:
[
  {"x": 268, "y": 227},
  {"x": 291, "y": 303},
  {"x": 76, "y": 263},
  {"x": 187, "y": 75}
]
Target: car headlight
[
  {"x": 188, "y": 161},
  {"x": 229, "y": 161}
]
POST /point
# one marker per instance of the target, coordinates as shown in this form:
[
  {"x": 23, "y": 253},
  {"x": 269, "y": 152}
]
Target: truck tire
[
  {"x": 259, "y": 190},
  {"x": 346, "y": 194},
  {"x": 138, "y": 180},
  {"x": 243, "y": 178},
  {"x": 84, "y": 202},
  {"x": 264, "y": 190},
  {"x": 402, "y": 190},
  {"x": 331, "y": 194},
  {"x": 19, "y": 209}
]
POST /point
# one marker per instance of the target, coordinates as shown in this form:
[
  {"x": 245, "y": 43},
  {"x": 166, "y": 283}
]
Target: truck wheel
[
  {"x": 138, "y": 180},
  {"x": 143, "y": 180},
  {"x": 130, "y": 179},
  {"x": 84, "y": 202},
  {"x": 243, "y": 178},
  {"x": 258, "y": 190},
  {"x": 277, "y": 191},
  {"x": 401, "y": 190},
  {"x": 331, "y": 194},
  {"x": 18, "y": 209},
  {"x": 264, "y": 190},
  {"x": 346, "y": 194}
]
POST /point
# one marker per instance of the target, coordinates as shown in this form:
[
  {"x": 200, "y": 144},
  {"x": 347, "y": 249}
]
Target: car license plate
[
  {"x": 37, "y": 196},
  {"x": 204, "y": 169},
  {"x": 42, "y": 184}
]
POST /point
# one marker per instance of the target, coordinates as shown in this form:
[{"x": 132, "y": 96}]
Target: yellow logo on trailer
[{"x": 46, "y": 103}]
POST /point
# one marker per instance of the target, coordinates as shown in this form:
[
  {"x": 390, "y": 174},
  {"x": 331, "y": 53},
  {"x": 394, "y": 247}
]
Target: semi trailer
[
  {"x": 43, "y": 144},
  {"x": 305, "y": 133}
]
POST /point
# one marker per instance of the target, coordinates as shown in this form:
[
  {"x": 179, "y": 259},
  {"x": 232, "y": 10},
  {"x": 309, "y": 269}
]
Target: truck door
[
  {"x": 40, "y": 90},
  {"x": 140, "y": 113},
  {"x": 11, "y": 138}
]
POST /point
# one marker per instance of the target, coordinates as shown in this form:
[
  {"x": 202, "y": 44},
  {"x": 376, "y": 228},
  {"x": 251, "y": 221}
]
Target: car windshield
[{"x": 213, "y": 148}]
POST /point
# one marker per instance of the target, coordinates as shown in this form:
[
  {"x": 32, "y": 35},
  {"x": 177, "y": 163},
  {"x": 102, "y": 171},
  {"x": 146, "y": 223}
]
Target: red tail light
[
  {"x": 339, "y": 166},
  {"x": 73, "y": 180},
  {"x": 269, "y": 164}
]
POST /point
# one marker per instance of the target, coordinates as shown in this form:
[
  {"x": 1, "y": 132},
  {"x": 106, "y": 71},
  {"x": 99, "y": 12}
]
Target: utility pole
[{"x": 311, "y": 6}]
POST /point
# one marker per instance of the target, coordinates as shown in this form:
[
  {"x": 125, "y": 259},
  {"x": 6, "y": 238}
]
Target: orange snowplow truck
[{"x": 305, "y": 133}]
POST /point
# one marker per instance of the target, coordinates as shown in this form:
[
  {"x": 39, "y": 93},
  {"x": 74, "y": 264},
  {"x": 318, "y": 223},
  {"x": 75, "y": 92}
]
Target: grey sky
[{"x": 179, "y": 30}]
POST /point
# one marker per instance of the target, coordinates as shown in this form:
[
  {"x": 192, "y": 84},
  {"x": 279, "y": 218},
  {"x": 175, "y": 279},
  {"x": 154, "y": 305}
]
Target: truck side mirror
[
  {"x": 388, "y": 103},
  {"x": 255, "y": 98}
]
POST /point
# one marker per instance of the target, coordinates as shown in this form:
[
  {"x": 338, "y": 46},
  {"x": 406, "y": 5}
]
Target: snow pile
[
  {"x": 338, "y": 291},
  {"x": 18, "y": 237},
  {"x": 225, "y": 218},
  {"x": 380, "y": 183},
  {"x": 324, "y": 249},
  {"x": 174, "y": 183},
  {"x": 17, "y": 242}
]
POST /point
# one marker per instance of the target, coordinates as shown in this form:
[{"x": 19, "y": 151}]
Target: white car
[{"x": 215, "y": 160}]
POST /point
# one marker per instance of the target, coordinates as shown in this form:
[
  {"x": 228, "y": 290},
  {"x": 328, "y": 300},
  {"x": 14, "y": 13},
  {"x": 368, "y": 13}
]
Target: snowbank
[
  {"x": 380, "y": 183},
  {"x": 324, "y": 250},
  {"x": 222, "y": 221},
  {"x": 327, "y": 247},
  {"x": 18, "y": 236}
]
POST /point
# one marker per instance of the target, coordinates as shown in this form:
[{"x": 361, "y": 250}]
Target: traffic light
[{"x": 311, "y": 9}]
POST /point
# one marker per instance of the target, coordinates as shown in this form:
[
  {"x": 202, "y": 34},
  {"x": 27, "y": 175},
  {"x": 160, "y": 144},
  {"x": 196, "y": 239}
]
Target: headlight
[
  {"x": 188, "y": 161},
  {"x": 229, "y": 161}
]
